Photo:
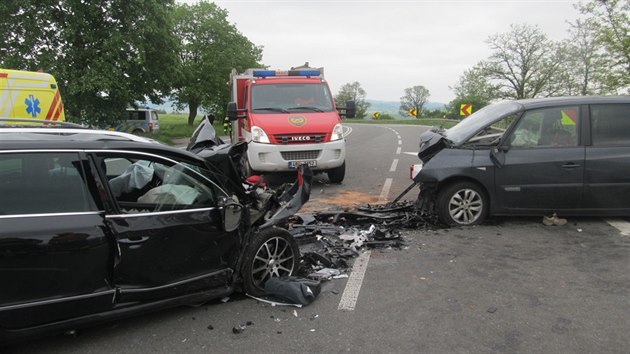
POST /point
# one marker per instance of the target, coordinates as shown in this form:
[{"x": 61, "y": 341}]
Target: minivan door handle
[{"x": 570, "y": 165}]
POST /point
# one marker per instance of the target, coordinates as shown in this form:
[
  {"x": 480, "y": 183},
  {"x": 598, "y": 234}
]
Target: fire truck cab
[{"x": 288, "y": 118}]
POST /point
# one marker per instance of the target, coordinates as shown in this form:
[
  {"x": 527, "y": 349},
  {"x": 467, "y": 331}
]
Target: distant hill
[{"x": 391, "y": 107}]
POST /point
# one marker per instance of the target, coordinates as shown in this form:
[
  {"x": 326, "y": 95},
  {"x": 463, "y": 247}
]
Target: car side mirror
[
  {"x": 232, "y": 213},
  {"x": 497, "y": 155},
  {"x": 232, "y": 111}
]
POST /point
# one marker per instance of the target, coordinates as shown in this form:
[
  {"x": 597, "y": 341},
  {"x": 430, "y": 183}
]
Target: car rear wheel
[
  {"x": 462, "y": 204},
  {"x": 336, "y": 175},
  {"x": 272, "y": 252}
]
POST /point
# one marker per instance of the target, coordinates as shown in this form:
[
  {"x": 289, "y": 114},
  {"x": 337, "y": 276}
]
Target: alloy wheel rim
[
  {"x": 465, "y": 206},
  {"x": 274, "y": 258}
]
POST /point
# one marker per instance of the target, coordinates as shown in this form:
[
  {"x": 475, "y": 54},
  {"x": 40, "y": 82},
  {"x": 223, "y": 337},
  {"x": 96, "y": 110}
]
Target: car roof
[
  {"x": 20, "y": 138},
  {"x": 573, "y": 100}
]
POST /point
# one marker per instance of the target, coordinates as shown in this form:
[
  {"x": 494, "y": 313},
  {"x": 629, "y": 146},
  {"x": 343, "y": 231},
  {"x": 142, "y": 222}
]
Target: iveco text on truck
[{"x": 288, "y": 118}]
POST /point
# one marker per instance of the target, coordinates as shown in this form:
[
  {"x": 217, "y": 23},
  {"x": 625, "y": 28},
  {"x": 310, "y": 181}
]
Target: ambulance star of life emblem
[{"x": 297, "y": 121}]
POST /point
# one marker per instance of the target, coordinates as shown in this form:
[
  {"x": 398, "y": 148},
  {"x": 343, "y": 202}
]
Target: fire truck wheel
[{"x": 336, "y": 175}]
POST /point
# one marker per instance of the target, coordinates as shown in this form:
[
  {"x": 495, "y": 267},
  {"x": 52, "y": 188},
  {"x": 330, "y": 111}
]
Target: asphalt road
[{"x": 512, "y": 286}]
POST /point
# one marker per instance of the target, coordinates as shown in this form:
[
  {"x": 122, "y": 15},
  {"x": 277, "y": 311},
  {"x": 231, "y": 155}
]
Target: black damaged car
[
  {"x": 568, "y": 155},
  {"x": 99, "y": 225}
]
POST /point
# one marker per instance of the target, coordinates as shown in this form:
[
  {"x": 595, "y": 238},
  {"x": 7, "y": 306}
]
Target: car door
[
  {"x": 544, "y": 162},
  {"x": 607, "y": 178},
  {"x": 55, "y": 249},
  {"x": 168, "y": 227}
]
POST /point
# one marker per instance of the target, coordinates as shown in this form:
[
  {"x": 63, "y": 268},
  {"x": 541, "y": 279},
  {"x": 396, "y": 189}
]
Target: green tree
[
  {"x": 472, "y": 88},
  {"x": 415, "y": 98},
  {"x": 211, "y": 48},
  {"x": 582, "y": 67},
  {"x": 105, "y": 55},
  {"x": 610, "y": 20},
  {"x": 353, "y": 92},
  {"x": 523, "y": 63}
]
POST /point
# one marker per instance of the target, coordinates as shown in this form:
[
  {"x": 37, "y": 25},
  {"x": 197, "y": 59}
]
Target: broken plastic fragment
[{"x": 273, "y": 303}]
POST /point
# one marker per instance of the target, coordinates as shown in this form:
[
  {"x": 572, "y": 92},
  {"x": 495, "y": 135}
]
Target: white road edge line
[
  {"x": 346, "y": 130},
  {"x": 353, "y": 286},
  {"x": 621, "y": 225},
  {"x": 385, "y": 192},
  {"x": 394, "y": 165}
]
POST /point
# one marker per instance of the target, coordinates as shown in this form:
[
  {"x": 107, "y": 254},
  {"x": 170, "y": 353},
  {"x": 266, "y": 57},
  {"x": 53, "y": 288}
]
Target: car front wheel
[
  {"x": 273, "y": 252},
  {"x": 462, "y": 204}
]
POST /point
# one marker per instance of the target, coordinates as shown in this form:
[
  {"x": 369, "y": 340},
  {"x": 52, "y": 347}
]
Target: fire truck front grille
[
  {"x": 291, "y": 139},
  {"x": 300, "y": 155}
]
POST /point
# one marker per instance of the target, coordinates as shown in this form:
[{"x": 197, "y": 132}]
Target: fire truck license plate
[{"x": 295, "y": 164}]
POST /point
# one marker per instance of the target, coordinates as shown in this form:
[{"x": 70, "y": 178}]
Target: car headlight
[
  {"x": 337, "y": 132},
  {"x": 259, "y": 135}
]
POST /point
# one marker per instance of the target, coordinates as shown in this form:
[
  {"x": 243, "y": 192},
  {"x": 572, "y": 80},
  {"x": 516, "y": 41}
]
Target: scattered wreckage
[{"x": 327, "y": 240}]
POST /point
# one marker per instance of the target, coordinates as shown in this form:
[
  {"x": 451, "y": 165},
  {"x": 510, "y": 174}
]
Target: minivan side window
[
  {"x": 548, "y": 127},
  {"x": 43, "y": 183},
  {"x": 610, "y": 124},
  {"x": 142, "y": 184}
]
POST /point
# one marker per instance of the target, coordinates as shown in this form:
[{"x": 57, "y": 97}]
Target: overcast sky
[{"x": 388, "y": 46}]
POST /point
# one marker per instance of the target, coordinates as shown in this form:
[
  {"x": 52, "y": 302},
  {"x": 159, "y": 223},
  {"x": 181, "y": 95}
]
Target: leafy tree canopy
[
  {"x": 610, "y": 21},
  {"x": 106, "y": 55},
  {"x": 353, "y": 92},
  {"x": 210, "y": 48},
  {"x": 415, "y": 98}
]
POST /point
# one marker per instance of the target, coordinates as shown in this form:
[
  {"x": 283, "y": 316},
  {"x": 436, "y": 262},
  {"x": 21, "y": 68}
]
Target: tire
[
  {"x": 272, "y": 252},
  {"x": 462, "y": 204},
  {"x": 337, "y": 174},
  {"x": 138, "y": 132}
]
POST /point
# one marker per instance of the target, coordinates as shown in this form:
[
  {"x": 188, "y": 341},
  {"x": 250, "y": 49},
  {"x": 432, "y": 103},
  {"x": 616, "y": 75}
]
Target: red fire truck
[{"x": 288, "y": 118}]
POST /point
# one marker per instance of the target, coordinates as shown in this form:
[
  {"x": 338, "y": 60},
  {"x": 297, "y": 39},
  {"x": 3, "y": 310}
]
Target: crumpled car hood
[
  {"x": 268, "y": 207},
  {"x": 431, "y": 142}
]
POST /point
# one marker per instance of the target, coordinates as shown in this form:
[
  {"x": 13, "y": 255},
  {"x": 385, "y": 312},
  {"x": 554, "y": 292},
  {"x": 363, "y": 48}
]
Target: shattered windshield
[
  {"x": 291, "y": 98},
  {"x": 484, "y": 117}
]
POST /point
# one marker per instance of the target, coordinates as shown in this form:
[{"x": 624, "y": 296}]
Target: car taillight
[{"x": 150, "y": 127}]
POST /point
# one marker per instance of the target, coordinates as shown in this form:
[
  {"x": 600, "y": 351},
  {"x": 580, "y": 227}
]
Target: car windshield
[
  {"x": 291, "y": 98},
  {"x": 484, "y": 117}
]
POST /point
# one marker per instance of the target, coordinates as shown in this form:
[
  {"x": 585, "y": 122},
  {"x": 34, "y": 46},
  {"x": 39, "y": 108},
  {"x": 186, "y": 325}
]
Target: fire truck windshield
[{"x": 274, "y": 98}]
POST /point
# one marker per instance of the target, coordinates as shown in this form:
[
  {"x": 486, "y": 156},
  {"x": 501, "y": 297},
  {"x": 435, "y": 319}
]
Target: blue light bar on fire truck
[{"x": 270, "y": 73}]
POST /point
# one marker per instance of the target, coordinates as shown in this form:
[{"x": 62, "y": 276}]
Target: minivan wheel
[
  {"x": 138, "y": 132},
  {"x": 462, "y": 204},
  {"x": 272, "y": 252},
  {"x": 337, "y": 174}
]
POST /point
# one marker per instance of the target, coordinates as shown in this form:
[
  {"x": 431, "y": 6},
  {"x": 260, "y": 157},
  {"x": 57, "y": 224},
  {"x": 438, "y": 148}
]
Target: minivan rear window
[{"x": 610, "y": 124}]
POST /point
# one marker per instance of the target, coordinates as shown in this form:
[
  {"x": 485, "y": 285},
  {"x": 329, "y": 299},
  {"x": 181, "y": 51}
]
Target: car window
[
  {"x": 42, "y": 183},
  {"x": 493, "y": 134},
  {"x": 548, "y": 127},
  {"x": 143, "y": 184},
  {"x": 610, "y": 124}
]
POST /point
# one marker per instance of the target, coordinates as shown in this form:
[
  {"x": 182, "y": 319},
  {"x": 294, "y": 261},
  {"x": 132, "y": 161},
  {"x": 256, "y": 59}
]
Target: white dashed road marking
[
  {"x": 394, "y": 165},
  {"x": 353, "y": 286},
  {"x": 398, "y": 150},
  {"x": 385, "y": 192}
]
